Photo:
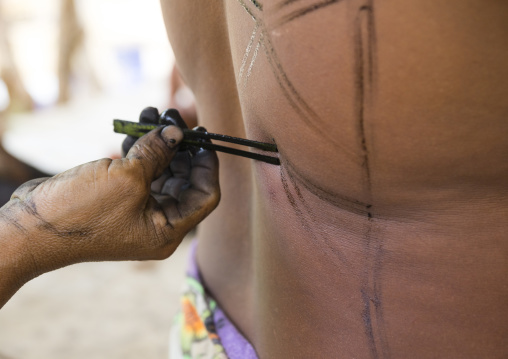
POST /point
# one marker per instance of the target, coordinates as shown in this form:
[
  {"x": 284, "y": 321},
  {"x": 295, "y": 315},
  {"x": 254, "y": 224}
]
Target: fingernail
[{"x": 172, "y": 135}]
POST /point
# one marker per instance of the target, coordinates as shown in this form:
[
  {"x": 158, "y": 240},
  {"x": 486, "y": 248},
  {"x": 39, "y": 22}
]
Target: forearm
[{"x": 15, "y": 266}]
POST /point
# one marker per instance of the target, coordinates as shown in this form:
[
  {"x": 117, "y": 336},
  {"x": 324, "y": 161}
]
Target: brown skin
[
  {"x": 384, "y": 232},
  {"x": 188, "y": 109},
  {"x": 106, "y": 210}
]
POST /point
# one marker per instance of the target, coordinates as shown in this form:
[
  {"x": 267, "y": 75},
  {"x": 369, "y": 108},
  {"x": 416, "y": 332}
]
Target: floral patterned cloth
[{"x": 201, "y": 329}]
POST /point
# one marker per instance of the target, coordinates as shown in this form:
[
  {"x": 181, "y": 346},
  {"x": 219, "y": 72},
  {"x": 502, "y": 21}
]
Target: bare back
[{"x": 383, "y": 232}]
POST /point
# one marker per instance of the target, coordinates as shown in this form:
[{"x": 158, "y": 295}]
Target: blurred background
[{"x": 67, "y": 69}]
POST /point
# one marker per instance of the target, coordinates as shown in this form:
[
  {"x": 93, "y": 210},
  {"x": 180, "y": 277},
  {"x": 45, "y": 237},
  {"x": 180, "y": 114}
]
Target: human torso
[{"x": 383, "y": 232}]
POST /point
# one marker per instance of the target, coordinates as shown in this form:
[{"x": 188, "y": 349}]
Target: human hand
[
  {"x": 104, "y": 210},
  {"x": 150, "y": 115}
]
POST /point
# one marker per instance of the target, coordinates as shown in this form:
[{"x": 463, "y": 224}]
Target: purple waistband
[{"x": 234, "y": 343}]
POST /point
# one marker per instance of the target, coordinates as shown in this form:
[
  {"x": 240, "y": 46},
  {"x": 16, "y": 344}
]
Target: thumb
[{"x": 155, "y": 150}]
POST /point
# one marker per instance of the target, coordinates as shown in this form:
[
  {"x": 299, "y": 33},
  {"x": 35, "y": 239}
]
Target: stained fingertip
[
  {"x": 172, "y": 135},
  {"x": 172, "y": 116},
  {"x": 149, "y": 115}
]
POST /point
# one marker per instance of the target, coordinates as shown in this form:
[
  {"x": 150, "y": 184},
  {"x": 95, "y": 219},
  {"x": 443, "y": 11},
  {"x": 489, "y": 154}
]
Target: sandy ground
[{"x": 95, "y": 310}]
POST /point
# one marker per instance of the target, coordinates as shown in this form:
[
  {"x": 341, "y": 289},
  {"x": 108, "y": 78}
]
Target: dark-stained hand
[{"x": 105, "y": 210}]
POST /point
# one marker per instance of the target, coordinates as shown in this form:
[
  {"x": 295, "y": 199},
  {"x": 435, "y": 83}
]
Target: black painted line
[
  {"x": 313, "y": 218},
  {"x": 257, "y": 4},
  {"x": 302, "y": 12},
  {"x": 349, "y": 204},
  {"x": 304, "y": 111},
  {"x": 299, "y": 105},
  {"x": 246, "y": 8}
]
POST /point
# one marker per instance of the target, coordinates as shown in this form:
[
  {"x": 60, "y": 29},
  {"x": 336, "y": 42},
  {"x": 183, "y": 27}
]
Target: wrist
[{"x": 16, "y": 265}]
